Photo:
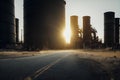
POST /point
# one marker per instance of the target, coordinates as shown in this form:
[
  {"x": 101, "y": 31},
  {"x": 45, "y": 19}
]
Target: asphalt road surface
[{"x": 58, "y": 65}]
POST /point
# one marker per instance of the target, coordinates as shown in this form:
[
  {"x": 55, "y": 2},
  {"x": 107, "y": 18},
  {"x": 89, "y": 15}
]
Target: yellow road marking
[{"x": 43, "y": 69}]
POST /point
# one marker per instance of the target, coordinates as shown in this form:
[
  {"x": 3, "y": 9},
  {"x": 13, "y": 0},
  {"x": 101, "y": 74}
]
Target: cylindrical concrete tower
[
  {"x": 74, "y": 30},
  {"x": 44, "y": 21},
  {"x": 117, "y": 28},
  {"x": 7, "y": 31},
  {"x": 109, "y": 25},
  {"x": 74, "y": 20},
  {"x": 74, "y": 25},
  {"x": 86, "y": 32}
]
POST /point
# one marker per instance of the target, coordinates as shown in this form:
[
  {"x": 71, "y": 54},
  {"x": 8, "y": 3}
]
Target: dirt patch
[{"x": 109, "y": 59}]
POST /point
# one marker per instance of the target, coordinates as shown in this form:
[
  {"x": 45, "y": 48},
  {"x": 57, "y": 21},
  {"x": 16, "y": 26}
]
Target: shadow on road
[{"x": 75, "y": 69}]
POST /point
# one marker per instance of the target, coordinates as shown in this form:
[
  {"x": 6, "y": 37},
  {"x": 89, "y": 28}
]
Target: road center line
[{"x": 43, "y": 69}]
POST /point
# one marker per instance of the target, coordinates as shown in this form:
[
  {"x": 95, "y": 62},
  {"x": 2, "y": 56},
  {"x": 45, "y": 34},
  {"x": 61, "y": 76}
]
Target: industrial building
[
  {"x": 109, "y": 25},
  {"x": 86, "y": 32},
  {"x": 44, "y": 22},
  {"x": 90, "y": 38},
  {"x": 7, "y": 29},
  {"x": 85, "y": 38}
]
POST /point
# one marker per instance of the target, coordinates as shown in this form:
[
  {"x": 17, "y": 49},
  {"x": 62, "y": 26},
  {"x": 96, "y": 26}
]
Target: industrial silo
[
  {"x": 109, "y": 25},
  {"x": 7, "y": 35},
  {"x": 74, "y": 31},
  {"x": 74, "y": 20},
  {"x": 86, "y": 32},
  {"x": 117, "y": 28},
  {"x": 74, "y": 25},
  {"x": 44, "y": 22}
]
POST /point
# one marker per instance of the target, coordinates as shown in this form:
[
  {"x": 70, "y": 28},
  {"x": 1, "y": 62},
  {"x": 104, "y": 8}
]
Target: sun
[{"x": 67, "y": 35}]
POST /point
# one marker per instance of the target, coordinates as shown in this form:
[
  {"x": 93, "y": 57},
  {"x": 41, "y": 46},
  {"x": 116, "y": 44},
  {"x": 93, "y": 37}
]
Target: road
[{"x": 58, "y": 65}]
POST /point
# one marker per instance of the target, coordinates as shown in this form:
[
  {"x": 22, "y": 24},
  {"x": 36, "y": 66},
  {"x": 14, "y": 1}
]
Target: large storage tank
[
  {"x": 74, "y": 30},
  {"x": 74, "y": 20},
  {"x": 7, "y": 35},
  {"x": 117, "y": 27},
  {"x": 44, "y": 22},
  {"x": 74, "y": 26},
  {"x": 109, "y": 25},
  {"x": 86, "y": 32}
]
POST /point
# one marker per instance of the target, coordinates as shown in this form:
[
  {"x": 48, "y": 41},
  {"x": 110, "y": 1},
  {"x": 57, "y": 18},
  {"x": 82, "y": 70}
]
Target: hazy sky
[
  {"x": 19, "y": 13},
  {"x": 93, "y": 8}
]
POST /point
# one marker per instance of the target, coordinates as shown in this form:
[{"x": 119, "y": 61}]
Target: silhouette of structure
[
  {"x": 117, "y": 25},
  {"x": 109, "y": 25},
  {"x": 75, "y": 31},
  {"x": 44, "y": 22},
  {"x": 7, "y": 29},
  {"x": 17, "y": 29},
  {"x": 86, "y": 32},
  {"x": 95, "y": 41},
  {"x": 90, "y": 39},
  {"x": 85, "y": 38}
]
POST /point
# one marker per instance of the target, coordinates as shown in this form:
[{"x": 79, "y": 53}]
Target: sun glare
[{"x": 67, "y": 35}]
